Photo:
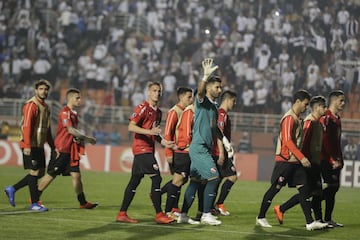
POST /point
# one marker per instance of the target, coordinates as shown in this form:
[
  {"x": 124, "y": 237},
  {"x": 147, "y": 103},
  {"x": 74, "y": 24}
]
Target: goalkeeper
[{"x": 203, "y": 167}]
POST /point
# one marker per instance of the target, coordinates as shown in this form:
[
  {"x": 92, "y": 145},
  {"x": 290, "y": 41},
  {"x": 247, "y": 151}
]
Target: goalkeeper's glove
[{"x": 208, "y": 68}]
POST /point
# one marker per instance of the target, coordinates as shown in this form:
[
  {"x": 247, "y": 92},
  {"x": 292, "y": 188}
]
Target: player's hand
[
  {"x": 305, "y": 162},
  {"x": 167, "y": 144},
  {"x": 155, "y": 130},
  {"x": 27, "y": 151},
  {"x": 221, "y": 160},
  {"x": 208, "y": 68},
  {"x": 91, "y": 140},
  {"x": 56, "y": 152},
  {"x": 337, "y": 165}
]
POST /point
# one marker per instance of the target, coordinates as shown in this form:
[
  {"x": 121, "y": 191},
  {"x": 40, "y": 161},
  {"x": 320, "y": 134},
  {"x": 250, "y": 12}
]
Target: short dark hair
[
  {"x": 301, "y": 95},
  {"x": 71, "y": 91},
  {"x": 42, "y": 82},
  {"x": 228, "y": 94},
  {"x": 182, "y": 90},
  {"x": 213, "y": 79},
  {"x": 335, "y": 93},
  {"x": 317, "y": 100}
]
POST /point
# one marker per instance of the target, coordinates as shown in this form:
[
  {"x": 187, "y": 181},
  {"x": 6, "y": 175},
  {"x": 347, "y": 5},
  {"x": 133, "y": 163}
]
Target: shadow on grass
[
  {"x": 291, "y": 232},
  {"x": 145, "y": 229}
]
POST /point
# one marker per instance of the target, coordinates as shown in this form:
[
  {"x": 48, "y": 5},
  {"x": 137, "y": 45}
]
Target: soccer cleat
[
  {"x": 39, "y": 202},
  {"x": 316, "y": 225},
  {"x": 175, "y": 211},
  {"x": 89, "y": 205},
  {"x": 10, "y": 193},
  {"x": 221, "y": 208},
  {"x": 332, "y": 224},
  {"x": 161, "y": 218},
  {"x": 184, "y": 218},
  {"x": 171, "y": 215},
  {"x": 37, "y": 207},
  {"x": 279, "y": 214},
  {"x": 209, "y": 219},
  {"x": 123, "y": 217},
  {"x": 262, "y": 222}
]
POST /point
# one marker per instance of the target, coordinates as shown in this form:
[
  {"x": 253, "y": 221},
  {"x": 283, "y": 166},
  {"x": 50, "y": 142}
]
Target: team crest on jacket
[
  {"x": 213, "y": 170},
  {"x": 155, "y": 167}
]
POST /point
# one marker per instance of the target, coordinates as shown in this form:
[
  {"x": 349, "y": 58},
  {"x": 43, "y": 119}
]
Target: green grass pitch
[{"x": 66, "y": 221}]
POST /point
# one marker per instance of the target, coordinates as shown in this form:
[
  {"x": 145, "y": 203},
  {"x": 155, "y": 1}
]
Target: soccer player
[
  {"x": 36, "y": 131},
  {"x": 144, "y": 122},
  {"x": 227, "y": 169},
  {"x": 203, "y": 167},
  {"x": 331, "y": 156},
  {"x": 311, "y": 148},
  {"x": 69, "y": 144},
  {"x": 175, "y": 159},
  {"x": 290, "y": 163},
  {"x": 186, "y": 123}
]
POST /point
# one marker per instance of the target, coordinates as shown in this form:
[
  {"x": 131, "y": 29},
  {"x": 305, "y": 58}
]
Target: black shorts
[
  {"x": 145, "y": 164},
  {"x": 181, "y": 164},
  {"x": 61, "y": 165},
  {"x": 227, "y": 169},
  {"x": 314, "y": 178},
  {"x": 288, "y": 173},
  {"x": 36, "y": 160},
  {"x": 330, "y": 175}
]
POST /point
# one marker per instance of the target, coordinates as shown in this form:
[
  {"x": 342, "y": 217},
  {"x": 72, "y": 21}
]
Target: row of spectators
[{"x": 265, "y": 49}]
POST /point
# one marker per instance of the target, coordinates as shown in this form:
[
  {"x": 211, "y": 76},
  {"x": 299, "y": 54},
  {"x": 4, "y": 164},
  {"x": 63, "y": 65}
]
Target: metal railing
[{"x": 10, "y": 110}]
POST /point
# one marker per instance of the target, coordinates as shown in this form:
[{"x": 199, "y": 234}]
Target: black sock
[
  {"x": 316, "y": 206},
  {"x": 130, "y": 191},
  {"x": 290, "y": 203},
  {"x": 171, "y": 197},
  {"x": 329, "y": 197},
  {"x": 81, "y": 198},
  {"x": 156, "y": 192},
  {"x": 39, "y": 193},
  {"x": 165, "y": 188},
  {"x": 305, "y": 202},
  {"x": 266, "y": 202},
  {"x": 32, "y": 182},
  {"x": 176, "y": 203},
  {"x": 200, "y": 193},
  {"x": 225, "y": 189},
  {"x": 22, "y": 183}
]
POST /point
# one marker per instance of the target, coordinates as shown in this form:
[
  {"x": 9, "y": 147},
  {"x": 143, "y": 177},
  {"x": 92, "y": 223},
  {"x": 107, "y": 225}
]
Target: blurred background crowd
[{"x": 266, "y": 49}]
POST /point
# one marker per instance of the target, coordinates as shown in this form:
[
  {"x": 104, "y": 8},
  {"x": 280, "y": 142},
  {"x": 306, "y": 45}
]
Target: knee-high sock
[
  {"x": 329, "y": 197},
  {"x": 165, "y": 188},
  {"x": 290, "y": 203},
  {"x": 22, "y": 183},
  {"x": 201, "y": 197},
  {"x": 129, "y": 192},
  {"x": 156, "y": 192},
  {"x": 32, "y": 182},
  {"x": 267, "y": 199},
  {"x": 210, "y": 194},
  {"x": 305, "y": 202},
  {"x": 189, "y": 195},
  {"x": 172, "y": 194},
  {"x": 225, "y": 189},
  {"x": 316, "y": 206}
]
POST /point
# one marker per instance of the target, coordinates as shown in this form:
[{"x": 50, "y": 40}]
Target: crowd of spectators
[{"x": 265, "y": 49}]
